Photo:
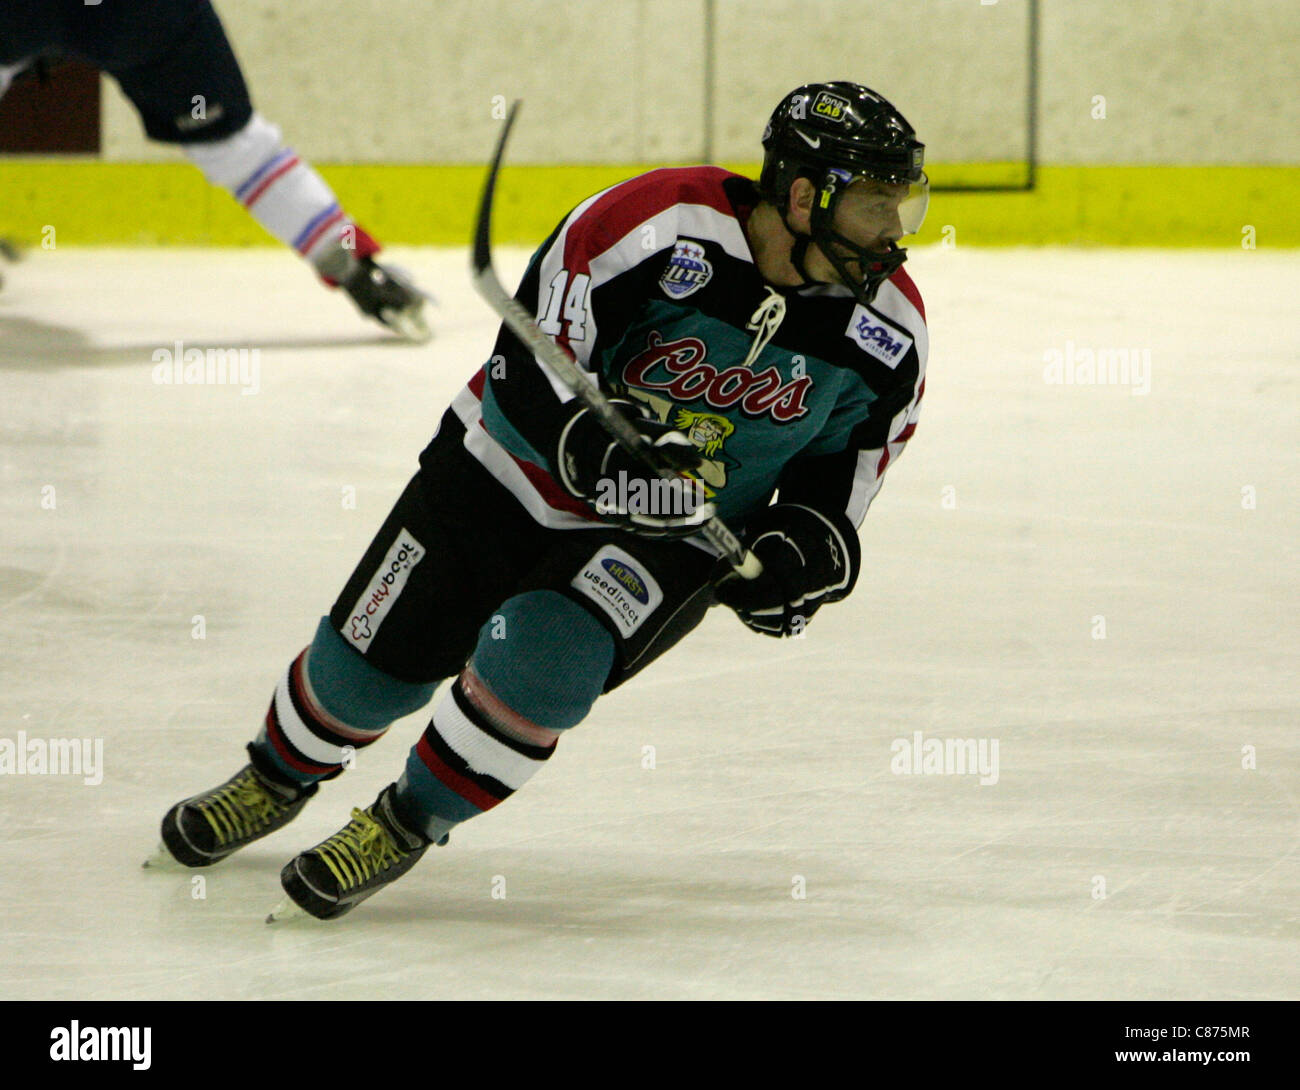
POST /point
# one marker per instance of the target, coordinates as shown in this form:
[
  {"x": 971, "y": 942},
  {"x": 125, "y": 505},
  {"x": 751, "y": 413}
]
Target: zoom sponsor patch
[
  {"x": 382, "y": 591},
  {"x": 877, "y": 338},
  {"x": 621, "y": 586}
]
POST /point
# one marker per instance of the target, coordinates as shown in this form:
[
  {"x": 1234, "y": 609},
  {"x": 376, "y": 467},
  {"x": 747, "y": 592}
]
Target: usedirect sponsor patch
[
  {"x": 877, "y": 337},
  {"x": 382, "y": 591},
  {"x": 621, "y": 586}
]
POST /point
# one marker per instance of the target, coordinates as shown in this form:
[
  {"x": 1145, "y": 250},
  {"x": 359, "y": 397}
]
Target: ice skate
[
  {"x": 388, "y": 297},
  {"x": 372, "y": 850},
  {"x": 253, "y": 803}
]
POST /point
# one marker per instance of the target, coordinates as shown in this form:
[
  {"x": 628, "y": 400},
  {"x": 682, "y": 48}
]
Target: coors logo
[{"x": 678, "y": 368}]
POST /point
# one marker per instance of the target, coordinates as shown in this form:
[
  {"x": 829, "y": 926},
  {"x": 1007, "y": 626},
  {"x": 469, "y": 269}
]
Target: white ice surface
[{"x": 1120, "y": 758}]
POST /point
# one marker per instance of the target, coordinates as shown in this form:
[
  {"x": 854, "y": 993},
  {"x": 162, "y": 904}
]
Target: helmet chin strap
[
  {"x": 877, "y": 267},
  {"x": 799, "y": 250},
  {"x": 880, "y": 266}
]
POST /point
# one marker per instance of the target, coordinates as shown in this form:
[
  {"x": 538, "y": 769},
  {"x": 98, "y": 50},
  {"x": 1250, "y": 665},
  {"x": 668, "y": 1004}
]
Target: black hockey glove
[
  {"x": 626, "y": 489},
  {"x": 809, "y": 558}
]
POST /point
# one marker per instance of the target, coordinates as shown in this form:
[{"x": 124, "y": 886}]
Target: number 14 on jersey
[{"x": 574, "y": 304}]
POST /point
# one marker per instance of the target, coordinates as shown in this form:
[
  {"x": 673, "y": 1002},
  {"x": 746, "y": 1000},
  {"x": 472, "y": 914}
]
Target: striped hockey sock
[
  {"x": 330, "y": 704},
  {"x": 286, "y": 196},
  {"x": 305, "y": 741},
  {"x": 474, "y": 754}
]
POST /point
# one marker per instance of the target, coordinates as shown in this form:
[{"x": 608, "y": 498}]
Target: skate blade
[
  {"x": 409, "y": 324},
  {"x": 287, "y": 909},
  {"x": 162, "y": 859}
]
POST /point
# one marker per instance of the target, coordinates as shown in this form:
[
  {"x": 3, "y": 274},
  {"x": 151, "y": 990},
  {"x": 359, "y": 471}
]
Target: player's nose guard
[{"x": 840, "y": 251}]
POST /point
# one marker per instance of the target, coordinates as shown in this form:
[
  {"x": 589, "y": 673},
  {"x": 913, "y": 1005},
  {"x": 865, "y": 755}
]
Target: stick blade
[{"x": 482, "y": 253}]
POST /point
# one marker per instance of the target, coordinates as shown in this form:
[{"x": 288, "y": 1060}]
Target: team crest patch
[
  {"x": 621, "y": 587},
  {"x": 688, "y": 270},
  {"x": 877, "y": 338},
  {"x": 377, "y": 599}
]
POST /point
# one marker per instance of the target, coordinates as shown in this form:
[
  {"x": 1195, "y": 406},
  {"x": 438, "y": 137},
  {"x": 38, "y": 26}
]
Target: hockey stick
[{"x": 523, "y": 326}]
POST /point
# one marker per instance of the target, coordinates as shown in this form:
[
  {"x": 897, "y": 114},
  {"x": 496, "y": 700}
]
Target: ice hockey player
[
  {"x": 765, "y": 341},
  {"x": 173, "y": 61}
]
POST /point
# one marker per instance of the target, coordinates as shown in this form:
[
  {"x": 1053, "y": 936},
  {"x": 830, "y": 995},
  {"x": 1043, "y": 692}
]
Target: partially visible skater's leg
[
  {"x": 189, "y": 90},
  {"x": 537, "y": 669},
  {"x": 286, "y": 195}
]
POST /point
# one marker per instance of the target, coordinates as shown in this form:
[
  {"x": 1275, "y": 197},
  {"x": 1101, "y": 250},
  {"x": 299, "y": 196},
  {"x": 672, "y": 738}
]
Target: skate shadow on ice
[
  {"x": 30, "y": 345},
  {"x": 630, "y": 902}
]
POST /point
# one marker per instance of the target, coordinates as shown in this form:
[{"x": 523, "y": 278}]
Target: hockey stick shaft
[{"x": 523, "y": 325}]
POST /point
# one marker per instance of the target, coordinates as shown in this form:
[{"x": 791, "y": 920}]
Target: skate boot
[
  {"x": 253, "y": 803},
  {"x": 389, "y": 298},
  {"x": 372, "y": 850}
]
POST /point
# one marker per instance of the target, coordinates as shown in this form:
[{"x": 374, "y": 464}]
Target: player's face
[
  {"x": 868, "y": 216},
  {"x": 872, "y": 215}
]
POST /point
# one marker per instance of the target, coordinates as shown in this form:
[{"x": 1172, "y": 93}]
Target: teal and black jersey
[{"x": 651, "y": 284}]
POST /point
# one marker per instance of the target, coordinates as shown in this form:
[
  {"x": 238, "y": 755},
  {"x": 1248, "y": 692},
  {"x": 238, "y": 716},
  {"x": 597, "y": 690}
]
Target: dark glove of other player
[
  {"x": 626, "y": 488},
  {"x": 809, "y": 558}
]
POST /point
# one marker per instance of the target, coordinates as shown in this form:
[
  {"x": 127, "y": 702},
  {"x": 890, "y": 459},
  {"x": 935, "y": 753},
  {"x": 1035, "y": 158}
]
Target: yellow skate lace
[
  {"x": 358, "y": 851},
  {"x": 239, "y": 809}
]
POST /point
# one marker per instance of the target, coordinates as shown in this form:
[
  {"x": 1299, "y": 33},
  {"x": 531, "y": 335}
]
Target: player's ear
[{"x": 802, "y": 192}]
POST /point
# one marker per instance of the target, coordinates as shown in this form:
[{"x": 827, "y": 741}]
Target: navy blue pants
[{"x": 163, "y": 53}]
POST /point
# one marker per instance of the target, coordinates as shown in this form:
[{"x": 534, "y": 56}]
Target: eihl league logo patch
[
  {"x": 688, "y": 270},
  {"x": 877, "y": 338}
]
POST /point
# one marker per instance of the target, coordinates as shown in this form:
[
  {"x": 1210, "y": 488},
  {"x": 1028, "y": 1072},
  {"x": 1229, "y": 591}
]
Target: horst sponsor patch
[
  {"x": 688, "y": 270},
  {"x": 877, "y": 338},
  {"x": 621, "y": 586},
  {"x": 382, "y": 591}
]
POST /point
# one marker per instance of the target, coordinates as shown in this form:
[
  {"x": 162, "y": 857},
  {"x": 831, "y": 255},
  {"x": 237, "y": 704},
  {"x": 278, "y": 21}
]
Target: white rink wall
[{"x": 415, "y": 81}]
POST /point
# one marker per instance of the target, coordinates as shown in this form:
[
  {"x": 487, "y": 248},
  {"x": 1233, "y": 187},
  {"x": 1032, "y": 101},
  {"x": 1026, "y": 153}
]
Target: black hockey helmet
[{"x": 833, "y": 134}]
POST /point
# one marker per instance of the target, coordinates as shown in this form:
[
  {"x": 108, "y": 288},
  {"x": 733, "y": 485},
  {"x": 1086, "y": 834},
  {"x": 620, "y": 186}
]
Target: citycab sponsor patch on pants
[{"x": 381, "y": 592}]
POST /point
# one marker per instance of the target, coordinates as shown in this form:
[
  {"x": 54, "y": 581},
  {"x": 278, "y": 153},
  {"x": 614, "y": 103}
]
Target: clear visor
[
  {"x": 912, "y": 208},
  {"x": 881, "y": 212}
]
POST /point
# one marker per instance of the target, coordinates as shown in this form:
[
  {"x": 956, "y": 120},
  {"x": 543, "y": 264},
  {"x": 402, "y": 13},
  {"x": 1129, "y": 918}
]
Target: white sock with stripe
[
  {"x": 474, "y": 754},
  {"x": 285, "y": 195}
]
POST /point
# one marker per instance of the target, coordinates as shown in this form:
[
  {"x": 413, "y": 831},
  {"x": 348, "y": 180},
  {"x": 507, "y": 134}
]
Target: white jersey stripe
[
  {"x": 866, "y": 483},
  {"x": 869, "y": 476},
  {"x": 896, "y": 306},
  {"x": 497, "y": 461},
  {"x": 551, "y": 264}
]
